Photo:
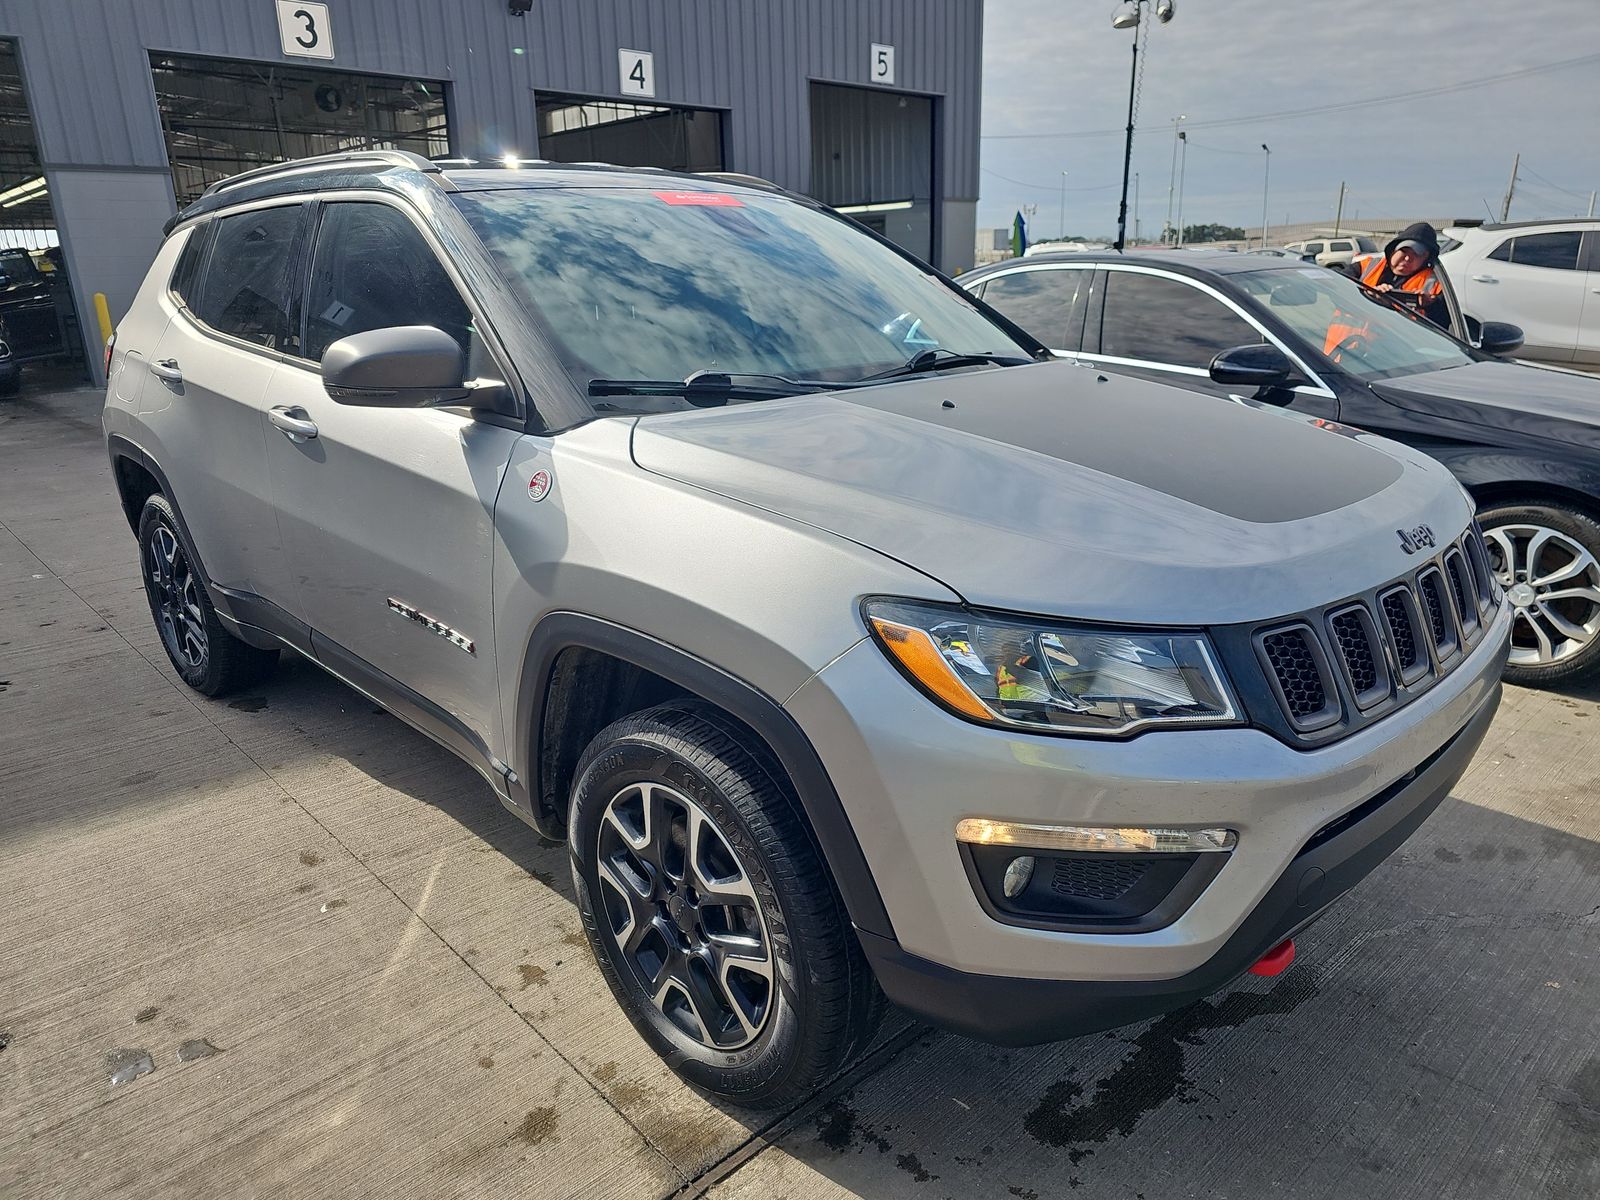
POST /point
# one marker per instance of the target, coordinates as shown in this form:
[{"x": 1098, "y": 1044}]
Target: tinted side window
[
  {"x": 186, "y": 274},
  {"x": 1341, "y": 246},
  {"x": 1161, "y": 320},
  {"x": 1557, "y": 251},
  {"x": 251, "y": 277},
  {"x": 1313, "y": 248},
  {"x": 1045, "y": 303},
  {"x": 374, "y": 270}
]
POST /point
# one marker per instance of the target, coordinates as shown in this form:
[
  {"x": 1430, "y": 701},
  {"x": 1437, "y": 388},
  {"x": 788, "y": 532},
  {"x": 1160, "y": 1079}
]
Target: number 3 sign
[{"x": 304, "y": 30}]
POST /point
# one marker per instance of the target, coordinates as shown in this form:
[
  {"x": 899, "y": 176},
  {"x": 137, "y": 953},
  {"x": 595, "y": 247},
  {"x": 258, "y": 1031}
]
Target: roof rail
[{"x": 394, "y": 158}]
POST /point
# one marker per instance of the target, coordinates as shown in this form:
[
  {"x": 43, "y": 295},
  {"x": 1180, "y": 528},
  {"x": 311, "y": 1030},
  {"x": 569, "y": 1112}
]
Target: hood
[
  {"x": 1420, "y": 232},
  {"x": 1513, "y": 397},
  {"x": 1054, "y": 489}
]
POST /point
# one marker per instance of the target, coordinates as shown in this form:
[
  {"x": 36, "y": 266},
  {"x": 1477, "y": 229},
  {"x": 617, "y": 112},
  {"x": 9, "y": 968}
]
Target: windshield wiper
[
  {"x": 938, "y": 359},
  {"x": 708, "y": 389}
]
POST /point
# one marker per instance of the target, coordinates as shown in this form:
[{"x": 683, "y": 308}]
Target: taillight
[{"x": 111, "y": 345}]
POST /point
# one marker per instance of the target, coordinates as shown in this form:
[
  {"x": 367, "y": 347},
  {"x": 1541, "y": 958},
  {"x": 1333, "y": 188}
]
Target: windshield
[
  {"x": 1363, "y": 335},
  {"x": 637, "y": 284}
]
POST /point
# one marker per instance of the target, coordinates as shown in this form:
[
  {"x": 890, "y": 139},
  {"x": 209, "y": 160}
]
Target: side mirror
[
  {"x": 1257, "y": 366},
  {"x": 407, "y": 366},
  {"x": 1497, "y": 337}
]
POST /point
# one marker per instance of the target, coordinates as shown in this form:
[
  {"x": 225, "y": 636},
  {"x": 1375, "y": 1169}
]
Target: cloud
[{"x": 1056, "y": 67}]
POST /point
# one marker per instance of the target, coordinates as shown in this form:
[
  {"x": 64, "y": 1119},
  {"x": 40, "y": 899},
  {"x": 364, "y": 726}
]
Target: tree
[{"x": 1211, "y": 233}]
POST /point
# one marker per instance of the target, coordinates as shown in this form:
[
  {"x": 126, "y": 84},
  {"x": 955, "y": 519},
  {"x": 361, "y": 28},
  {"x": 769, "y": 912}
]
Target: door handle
[
  {"x": 1484, "y": 279},
  {"x": 166, "y": 369},
  {"x": 294, "y": 423}
]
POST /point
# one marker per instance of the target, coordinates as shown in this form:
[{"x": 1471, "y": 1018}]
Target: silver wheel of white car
[{"x": 1548, "y": 562}]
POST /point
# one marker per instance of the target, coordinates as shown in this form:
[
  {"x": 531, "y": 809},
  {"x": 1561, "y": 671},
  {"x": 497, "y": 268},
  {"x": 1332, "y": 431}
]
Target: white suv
[
  {"x": 1541, "y": 275},
  {"x": 1335, "y": 251}
]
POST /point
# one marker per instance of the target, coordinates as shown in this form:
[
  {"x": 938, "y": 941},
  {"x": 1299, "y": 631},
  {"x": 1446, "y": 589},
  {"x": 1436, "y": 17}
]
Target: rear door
[
  {"x": 388, "y": 513},
  {"x": 1049, "y": 301},
  {"x": 1534, "y": 280},
  {"x": 207, "y": 391}
]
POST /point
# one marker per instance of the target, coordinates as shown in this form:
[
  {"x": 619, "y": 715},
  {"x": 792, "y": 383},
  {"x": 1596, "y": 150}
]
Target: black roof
[
  {"x": 394, "y": 170},
  {"x": 1194, "y": 262}
]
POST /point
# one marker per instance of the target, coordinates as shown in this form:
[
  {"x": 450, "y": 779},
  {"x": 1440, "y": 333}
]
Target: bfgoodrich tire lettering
[{"x": 823, "y": 1003}]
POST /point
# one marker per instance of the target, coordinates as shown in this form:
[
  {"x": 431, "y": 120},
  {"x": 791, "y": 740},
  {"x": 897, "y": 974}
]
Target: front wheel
[
  {"x": 1547, "y": 558},
  {"x": 709, "y": 910}
]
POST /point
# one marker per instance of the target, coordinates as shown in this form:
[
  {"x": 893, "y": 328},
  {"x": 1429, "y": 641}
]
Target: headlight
[{"x": 1052, "y": 678}]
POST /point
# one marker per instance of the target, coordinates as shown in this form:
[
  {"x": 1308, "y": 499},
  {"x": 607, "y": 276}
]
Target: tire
[
  {"x": 1555, "y": 633},
  {"x": 703, "y": 776},
  {"x": 204, "y": 654}
]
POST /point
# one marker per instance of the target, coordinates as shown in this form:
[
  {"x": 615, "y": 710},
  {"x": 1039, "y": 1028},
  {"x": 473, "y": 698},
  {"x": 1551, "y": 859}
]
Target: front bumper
[
  {"x": 1019, "y": 1012},
  {"x": 908, "y": 772}
]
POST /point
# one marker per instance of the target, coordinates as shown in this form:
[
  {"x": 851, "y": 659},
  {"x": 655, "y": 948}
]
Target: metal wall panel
[{"x": 86, "y": 70}]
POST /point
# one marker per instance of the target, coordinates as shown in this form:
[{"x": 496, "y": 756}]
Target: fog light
[
  {"x": 1018, "y": 872},
  {"x": 1078, "y": 838}
]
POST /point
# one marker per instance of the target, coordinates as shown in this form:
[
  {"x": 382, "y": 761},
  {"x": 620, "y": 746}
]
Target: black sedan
[{"x": 1524, "y": 440}]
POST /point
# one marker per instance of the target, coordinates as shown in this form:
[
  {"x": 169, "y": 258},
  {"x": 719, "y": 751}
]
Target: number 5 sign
[
  {"x": 304, "y": 30},
  {"x": 882, "y": 67},
  {"x": 637, "y": 70}
]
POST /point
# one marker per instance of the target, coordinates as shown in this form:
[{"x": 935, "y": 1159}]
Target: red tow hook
[{"x": 1275, "y": 961}]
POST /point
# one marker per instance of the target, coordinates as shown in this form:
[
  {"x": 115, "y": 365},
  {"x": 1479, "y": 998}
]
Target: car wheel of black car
[
  {"x": 1547, "y": 558},
  {"x": 709, "y": 910},
  {"x": 206, "y": 656}
]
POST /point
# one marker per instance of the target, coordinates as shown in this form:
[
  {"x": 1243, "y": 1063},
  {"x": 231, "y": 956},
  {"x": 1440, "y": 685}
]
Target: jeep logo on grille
[{"x": 1412, "y": 540}]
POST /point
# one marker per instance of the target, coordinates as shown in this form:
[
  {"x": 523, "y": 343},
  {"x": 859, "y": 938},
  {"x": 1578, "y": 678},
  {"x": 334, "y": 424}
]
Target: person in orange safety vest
[{"x": 1407, "y": 266}]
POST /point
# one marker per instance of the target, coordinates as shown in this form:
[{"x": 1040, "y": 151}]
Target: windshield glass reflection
[
  {"x": 1365, "y": 336},
  {"x": 636, "y": 284}
]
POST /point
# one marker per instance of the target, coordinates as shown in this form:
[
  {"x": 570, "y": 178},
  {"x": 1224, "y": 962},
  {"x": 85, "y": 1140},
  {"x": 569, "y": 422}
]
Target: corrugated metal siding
[{"x": 87, "y": 64}]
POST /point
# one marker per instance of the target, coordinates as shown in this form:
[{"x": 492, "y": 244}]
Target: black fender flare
[{"x": 561, "y": 631}]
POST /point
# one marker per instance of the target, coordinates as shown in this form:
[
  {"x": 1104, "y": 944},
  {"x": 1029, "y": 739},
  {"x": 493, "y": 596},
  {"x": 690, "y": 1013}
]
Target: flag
[{"x": 1019, "y": 236}]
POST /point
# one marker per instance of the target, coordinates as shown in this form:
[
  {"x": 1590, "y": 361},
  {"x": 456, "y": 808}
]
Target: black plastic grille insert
[{"x": 1289, "y": 652}]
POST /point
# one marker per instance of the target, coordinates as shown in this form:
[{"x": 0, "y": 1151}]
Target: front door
[
  {"x": 1168, "y": 329},
  {"x": 388, "y": 513},
  {"x": 1534, "y": 281}
]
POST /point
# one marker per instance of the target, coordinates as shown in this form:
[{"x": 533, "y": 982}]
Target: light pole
[
  {"x": 1128, "y": 17},
  {"x": 1266, "y": 175},
  {"x": 1136, "y": 206},
  {"x": 1063, "y": 206},
  {"x": 1172, "y": 174},
  {"x": 1183, "y": 165}
]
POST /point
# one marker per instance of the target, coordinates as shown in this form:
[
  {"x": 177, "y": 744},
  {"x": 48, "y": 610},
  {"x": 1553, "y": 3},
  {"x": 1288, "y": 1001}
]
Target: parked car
[
  {"x": 855, "y": 647},
  {"x": 1285, "y": 252},
  {"x": 1543, "y": 276},
  {"x": 1333, "y": 251},
  {"x": 1525, "y": 441},
  {"x": 28, "y": 308}
]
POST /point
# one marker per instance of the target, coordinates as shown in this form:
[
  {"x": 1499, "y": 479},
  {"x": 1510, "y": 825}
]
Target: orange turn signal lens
[{"x": 915, "y": 651}]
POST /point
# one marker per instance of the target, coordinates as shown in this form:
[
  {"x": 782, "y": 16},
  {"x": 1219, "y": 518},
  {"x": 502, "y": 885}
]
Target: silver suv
[{"x": 856, "y": 648}]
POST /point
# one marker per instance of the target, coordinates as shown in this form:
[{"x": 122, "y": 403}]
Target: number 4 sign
[
  {"x": 637, "y": 70},
  {"x": 304, "y": 30}
]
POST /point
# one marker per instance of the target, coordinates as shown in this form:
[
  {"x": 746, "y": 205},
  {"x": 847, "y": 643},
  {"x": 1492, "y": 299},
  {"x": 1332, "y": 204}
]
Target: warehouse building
[{"x": 115, "y": 113}]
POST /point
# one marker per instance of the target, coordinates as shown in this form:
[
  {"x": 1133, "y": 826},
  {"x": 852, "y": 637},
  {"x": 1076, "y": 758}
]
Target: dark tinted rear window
[
  {"x": 187, "y": 273},
  {"x": 1556, "y": 251},
  {"x": 250, "y": 277},
  {"x": 1044, "y": 302}
]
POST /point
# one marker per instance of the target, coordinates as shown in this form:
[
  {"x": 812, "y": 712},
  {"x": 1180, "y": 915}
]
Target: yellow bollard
[{"x": 103, "y": 312}]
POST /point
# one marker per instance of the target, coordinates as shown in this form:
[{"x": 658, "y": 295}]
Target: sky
[{"x": 1055, "y": 67}]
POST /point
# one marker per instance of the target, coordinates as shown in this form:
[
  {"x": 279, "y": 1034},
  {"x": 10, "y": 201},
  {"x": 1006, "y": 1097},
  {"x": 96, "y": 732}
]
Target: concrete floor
[{"x": 395, "y": 980}]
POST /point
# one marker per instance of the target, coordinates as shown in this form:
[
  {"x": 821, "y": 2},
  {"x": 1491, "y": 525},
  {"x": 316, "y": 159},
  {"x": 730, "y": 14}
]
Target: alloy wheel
[
  {"x": 1553, "y": 583},
  {"x": 175, "y": 596},
  {"x": 684, "y": 916}
]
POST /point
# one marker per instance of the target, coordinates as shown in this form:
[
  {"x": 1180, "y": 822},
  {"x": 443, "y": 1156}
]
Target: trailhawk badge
[
  {"x": 1412, "y": 540},
  {"x": 454, "y": 636},
  {"x": 539, "y": 486}
]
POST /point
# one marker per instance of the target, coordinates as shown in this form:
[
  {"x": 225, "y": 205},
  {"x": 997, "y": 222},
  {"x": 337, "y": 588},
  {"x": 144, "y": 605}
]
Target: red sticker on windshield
[{"x": 702, "y": 199}]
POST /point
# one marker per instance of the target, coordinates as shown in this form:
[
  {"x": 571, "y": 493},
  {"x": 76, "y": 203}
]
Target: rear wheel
[
  {"x": 205, "y": 655},
  {"x": 709, "y": 910},
  {"x": 1547, "y": 559}
]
